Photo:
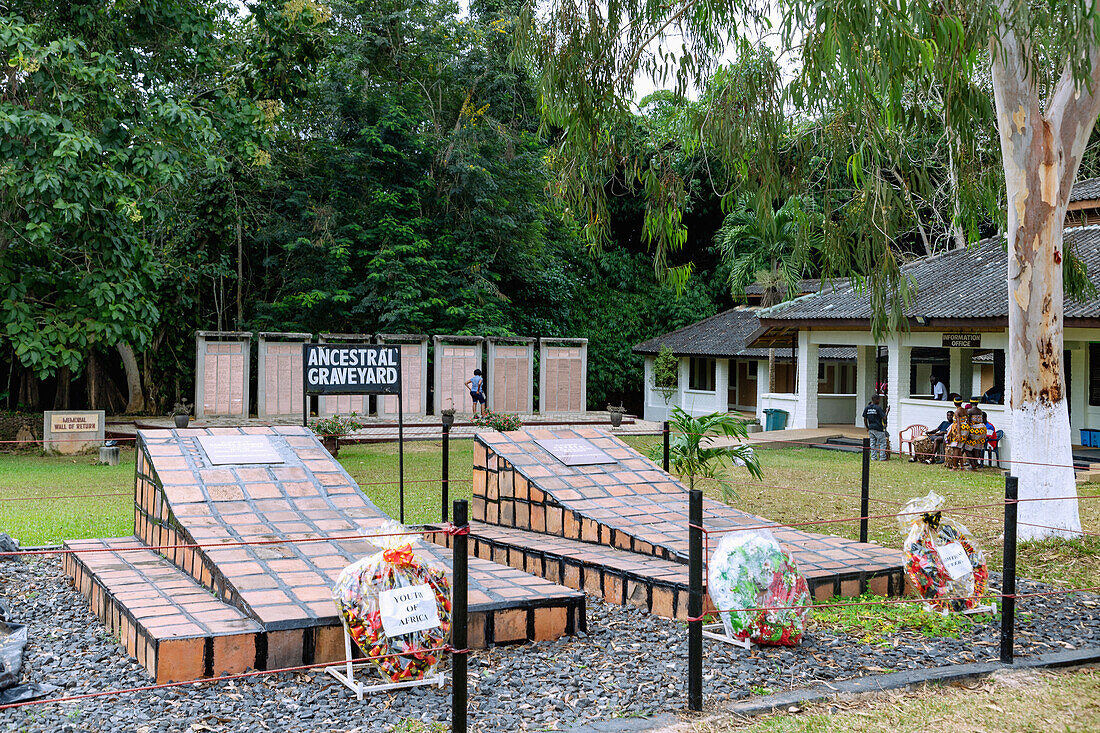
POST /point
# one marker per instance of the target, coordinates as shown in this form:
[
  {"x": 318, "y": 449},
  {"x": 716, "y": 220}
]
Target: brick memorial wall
[
  {"x": 563, "y": 375},
  {"x": 414, "y": 375},
  {"x": 455, "y": 359},
  {"x": 345, "y": 404},
  {"x": 222, "y": 361},
  {"x": 279, "y": 384},
  {"x": 510, "y": 378}
]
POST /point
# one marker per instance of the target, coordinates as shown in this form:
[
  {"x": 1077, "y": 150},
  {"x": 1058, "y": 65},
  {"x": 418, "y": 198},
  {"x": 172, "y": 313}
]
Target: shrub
[
  {"x": 501, "y": 421},
  {"x": 336, "y": 426},
  {"x": 666, "y": 372}
]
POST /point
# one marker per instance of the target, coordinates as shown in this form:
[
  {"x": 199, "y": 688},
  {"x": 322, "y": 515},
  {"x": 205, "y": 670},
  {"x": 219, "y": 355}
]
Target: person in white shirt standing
[{"x": 939, "y": 390}]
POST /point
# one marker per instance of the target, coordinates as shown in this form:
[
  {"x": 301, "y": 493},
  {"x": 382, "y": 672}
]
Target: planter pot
[
  {"x": 448, "y": 420},
  {"x": 181, "y": 420},
  {"x": 754, "y": 427},
  {"x": 616, "y": 418},
  {"x": 332, "y": 444}
]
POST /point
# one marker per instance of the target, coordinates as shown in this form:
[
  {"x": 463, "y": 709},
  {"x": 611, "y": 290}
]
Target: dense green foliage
[{"x": 355, "y": 167}]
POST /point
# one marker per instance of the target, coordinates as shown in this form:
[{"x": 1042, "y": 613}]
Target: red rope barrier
[
  {"x": 234, "y": 543},
  {"x": 242, "y": 675},
  {"x": 891, "y": 602}
]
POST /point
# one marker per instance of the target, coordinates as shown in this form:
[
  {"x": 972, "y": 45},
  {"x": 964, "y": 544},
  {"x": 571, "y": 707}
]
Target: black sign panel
[
  {"x": 575, "y": 451},
  {"x": 352, "y": 368},
  {"x": 962, "y": 340}
]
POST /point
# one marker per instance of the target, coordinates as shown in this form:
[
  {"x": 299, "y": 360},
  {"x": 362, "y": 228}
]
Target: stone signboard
[
  {"x": 72, "y": 431},
  {"x": 222, "y": 450},
  {"x": 575, "y": 451}
]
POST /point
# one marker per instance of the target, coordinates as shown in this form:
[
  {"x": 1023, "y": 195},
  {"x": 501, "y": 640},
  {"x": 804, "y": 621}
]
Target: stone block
[{"x": 72, "y": 431}]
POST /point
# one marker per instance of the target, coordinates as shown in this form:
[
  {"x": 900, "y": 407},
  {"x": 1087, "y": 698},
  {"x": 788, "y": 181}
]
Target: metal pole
[
  {"x": 446, "y": 468},
  {"x": 401, "y": 451},
  {"x": 695, "y": 599},
  {"x": 1008, "y": 571},
  {"x": 664, "y": 432},
  {"x": 458, "y": 626},
  {"x": 865, "y": 490}
]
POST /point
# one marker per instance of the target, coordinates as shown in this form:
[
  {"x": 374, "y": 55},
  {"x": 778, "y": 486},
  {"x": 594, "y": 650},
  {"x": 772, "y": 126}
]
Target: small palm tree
[{"x": 693, "y": 455}]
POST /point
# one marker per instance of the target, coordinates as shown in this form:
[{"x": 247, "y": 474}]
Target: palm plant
[
  {"x": 693, "y": 455},
  {"x": 767, "y": 246}
]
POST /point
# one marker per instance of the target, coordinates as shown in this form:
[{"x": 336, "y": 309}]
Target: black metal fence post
[
  {"x": 446, "y": 478},
  {"x": 664, "y": 433},
  {"x": 1008, "y": 572},
  {"x": 459, "y": 600},
  {"x": 865, "y": 490},
  {"x": 695, "y": 600}
]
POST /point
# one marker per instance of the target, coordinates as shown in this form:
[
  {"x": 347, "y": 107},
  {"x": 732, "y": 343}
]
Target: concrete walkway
[{"x": 380, "y": 429}]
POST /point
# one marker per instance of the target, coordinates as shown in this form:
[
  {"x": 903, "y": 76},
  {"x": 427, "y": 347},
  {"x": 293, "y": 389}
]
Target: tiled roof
[
  {"x": 1085, "y": 190},
  {"x": 804, "y": 286},
  {"x": 960, "y": 284},
  {"x": 723, "y": 336}
]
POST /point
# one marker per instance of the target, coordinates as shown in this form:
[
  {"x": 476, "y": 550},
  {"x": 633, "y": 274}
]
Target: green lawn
[{"x": 374, "y": 466}]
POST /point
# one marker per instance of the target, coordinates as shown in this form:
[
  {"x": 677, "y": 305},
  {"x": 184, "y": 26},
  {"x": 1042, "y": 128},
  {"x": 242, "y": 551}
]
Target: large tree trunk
[
  {"x": 1041, "y": 154},
  {"x": 136, "y": 401},
  {"x": 61, "y": 399}
]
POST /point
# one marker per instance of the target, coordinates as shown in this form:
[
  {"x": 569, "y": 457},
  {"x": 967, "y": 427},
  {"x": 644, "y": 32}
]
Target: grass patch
[
  {"x": 874, "y": 624},
  {"x": 1007, "y": 701},
  {"x": 38, "y": 520}
]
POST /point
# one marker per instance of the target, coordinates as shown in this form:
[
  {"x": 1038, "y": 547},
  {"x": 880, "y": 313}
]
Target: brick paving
[
  {"x": 181, "y": 498},
  {"x": 632, "y": 505}
]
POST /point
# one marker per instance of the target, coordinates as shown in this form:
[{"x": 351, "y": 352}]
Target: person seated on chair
[
  {"x": 990, "y": 434},
  {"x": 938, "y": 435}
]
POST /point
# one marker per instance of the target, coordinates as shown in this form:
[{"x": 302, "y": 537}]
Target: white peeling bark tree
[
  {"x": 1041, "y": 146},
  {"x": 865, "y": 62}
]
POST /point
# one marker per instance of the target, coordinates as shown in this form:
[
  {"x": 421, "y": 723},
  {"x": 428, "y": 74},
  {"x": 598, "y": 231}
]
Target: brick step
[
  {"x": 173, "y": 626},
  {"x": 617, "y": 576},
  {"x": 629, "y": 578}
]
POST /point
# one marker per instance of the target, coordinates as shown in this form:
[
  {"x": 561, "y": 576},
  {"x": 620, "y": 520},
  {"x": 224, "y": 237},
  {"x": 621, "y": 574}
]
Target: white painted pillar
[
  {"x": 762, "y": 382},
  {"x": 955, "y": 381},
  {"x": 1079, "y": 389},
  {"x": 897, "y": 376},
  {"x": 865, "y": 380},
  {"x": 721, "y": 385},
  {"x": 806, "y": 411},
  {"x": 682, "y": 384}
]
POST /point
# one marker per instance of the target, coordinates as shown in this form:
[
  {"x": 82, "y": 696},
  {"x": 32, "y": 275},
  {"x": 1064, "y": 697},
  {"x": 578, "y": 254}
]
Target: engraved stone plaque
[
  {"x": 239, "y": 449},
  {"x": 575, "y": 451}
]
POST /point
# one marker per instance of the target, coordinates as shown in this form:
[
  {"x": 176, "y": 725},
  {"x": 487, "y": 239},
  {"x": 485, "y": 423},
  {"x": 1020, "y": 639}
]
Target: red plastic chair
[{"x": 910, "y": 435}]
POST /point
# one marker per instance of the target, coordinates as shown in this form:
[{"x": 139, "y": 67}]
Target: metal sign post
[{"x": 357, "y": 369}]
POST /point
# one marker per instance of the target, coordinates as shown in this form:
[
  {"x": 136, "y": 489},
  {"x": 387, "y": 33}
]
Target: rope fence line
[
  {"x": 446, "y": 648},
  {"x": 449, "y": 529},
  {"x": 892, "y": 602}
]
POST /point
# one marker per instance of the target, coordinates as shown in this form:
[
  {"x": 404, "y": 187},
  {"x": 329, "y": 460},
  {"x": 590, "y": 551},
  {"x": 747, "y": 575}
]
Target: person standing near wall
[{"x": 874, "y": 419}]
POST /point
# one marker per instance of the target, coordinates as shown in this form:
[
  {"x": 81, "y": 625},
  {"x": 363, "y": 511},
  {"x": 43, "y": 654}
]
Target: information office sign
[
  {"x": 962, "y": 340},
  {"x": 332, "y": 369}
]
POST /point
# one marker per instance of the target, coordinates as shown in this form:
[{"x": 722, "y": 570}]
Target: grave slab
[
  {"x": 632, "y": 505},
  {"x": 270, "y": 539}
]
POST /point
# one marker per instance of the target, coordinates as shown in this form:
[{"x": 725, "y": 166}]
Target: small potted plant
[
  {"x": 331, "y": 429},
  {"x": 753, "y": 425},
  {"x": 616, "y": 414},
  {"x": 447, "y": 414},
  {"x": 181, "y": 414}
]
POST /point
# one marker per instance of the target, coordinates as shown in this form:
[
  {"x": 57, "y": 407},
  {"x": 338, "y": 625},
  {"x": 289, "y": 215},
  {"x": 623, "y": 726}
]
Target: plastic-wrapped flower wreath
[
  {"x": 942, "y": 558},
  {"x": 751, "y": 570},
  {"x": 396, "y": 602}
]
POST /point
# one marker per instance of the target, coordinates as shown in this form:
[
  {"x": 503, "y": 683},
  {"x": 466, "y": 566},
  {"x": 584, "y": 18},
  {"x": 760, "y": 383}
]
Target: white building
[
  {"x": 718, "y": 372},
  {"x": 957, "y": 329}
]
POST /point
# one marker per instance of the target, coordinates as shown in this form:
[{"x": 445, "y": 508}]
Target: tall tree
[{"x": 867, "y": 59}]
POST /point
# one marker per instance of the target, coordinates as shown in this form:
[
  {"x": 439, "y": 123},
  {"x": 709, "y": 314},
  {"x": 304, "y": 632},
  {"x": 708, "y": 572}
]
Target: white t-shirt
[{"x": 939, "y": 392}]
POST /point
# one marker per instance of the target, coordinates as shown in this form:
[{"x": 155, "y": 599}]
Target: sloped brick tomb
[
  {"x": 616, "y": 526},
  {"x": 192, "y": 612}
]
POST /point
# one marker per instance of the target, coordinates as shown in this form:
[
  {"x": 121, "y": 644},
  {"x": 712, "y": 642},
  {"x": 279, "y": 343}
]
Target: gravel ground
[{"x": 630, "y": 664}]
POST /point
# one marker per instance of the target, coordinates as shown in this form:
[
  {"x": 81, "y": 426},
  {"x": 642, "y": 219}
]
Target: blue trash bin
[{"x": 775, "y": 419}]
